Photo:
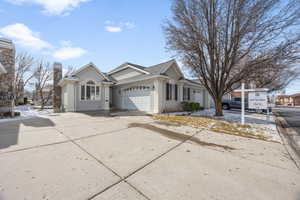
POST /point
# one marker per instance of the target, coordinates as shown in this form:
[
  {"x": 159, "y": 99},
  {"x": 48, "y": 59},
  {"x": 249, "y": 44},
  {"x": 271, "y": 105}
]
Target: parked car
[{"x": 234, "y": 103}]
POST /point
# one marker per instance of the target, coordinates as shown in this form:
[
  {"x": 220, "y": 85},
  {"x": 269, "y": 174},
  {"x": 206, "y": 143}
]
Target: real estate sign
[{"x": 258, "y": 100}]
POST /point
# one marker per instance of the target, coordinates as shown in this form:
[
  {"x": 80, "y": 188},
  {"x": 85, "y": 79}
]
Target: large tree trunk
[{"x": 219, "y": 107}]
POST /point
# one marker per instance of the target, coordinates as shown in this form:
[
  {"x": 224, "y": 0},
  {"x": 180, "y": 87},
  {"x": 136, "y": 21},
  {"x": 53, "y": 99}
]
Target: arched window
[
  {"x": 90, "y": 91},
  {"x": 90, "y": 83}
]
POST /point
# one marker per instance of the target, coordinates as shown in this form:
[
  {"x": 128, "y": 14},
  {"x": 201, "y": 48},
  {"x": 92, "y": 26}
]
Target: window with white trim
[
  {"x": 90, "y": 91},
  {"x": 82, "y": 92},
  {"x": 186, "y": 94}
]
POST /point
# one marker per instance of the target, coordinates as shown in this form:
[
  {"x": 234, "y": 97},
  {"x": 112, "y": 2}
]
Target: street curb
[{"x": 290, "y": 146}]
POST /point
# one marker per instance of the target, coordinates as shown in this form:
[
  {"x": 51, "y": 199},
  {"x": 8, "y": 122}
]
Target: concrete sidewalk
[{"x": 80, "y": 156}]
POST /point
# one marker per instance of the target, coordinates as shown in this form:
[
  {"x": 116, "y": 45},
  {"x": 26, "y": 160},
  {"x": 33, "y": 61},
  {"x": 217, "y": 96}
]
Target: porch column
[
  {"x": 158, "y": 99},
  {"x": 106, "y": 97}
]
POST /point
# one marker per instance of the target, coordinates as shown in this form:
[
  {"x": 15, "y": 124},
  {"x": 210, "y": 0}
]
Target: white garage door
[{"x": 137, "y": 98}]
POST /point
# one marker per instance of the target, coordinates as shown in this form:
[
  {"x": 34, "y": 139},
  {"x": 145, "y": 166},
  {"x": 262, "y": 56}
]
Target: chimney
[
  {"x": 57, "y": 76},
  {"x": 7, "y": 75}
]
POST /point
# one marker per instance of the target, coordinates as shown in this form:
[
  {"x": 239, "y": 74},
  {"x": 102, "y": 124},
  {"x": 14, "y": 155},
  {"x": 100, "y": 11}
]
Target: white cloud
[
  {"x": 53, "y": 7},
  {"x": 66, "y": 53},
  {"x": 24, "y": 37},
  {"x": 113, "y": 29},
  {"x": 118, "y": 26}
]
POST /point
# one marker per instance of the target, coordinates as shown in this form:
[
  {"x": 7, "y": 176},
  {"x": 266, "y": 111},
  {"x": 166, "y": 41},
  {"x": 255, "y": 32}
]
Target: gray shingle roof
[
  {"x": 136, "y": 78},
  {"x": 157, "y": 69},
  {"x": 153, "y": 70},
  {"x": 128, "y": 63},
  {"x": 110, "y": 78}
]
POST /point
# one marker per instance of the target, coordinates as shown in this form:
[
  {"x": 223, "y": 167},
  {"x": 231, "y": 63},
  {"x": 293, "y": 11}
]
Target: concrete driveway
[{"x": 130, "y": 156}]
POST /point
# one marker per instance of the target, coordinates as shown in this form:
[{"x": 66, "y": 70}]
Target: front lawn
[{"x": 220, "y": 126}]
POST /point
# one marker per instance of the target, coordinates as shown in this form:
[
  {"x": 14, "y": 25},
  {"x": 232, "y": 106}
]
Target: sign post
[
  {"x": 243, "y": 104},
  {"x": 257, "y": 99}
]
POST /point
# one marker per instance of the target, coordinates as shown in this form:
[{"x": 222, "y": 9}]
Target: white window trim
[{"x": 97, "y": 97}]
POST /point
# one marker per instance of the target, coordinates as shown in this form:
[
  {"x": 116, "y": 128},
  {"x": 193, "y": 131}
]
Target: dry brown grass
[{"x": 215, "y": 125}]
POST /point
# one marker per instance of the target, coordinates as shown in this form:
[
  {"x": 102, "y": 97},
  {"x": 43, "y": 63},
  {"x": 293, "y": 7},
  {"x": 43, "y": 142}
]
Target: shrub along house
[{"x": 154, "y": 89}]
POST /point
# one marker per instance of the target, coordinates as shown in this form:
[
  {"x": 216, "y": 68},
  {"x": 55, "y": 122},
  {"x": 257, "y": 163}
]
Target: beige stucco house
[{"x": 154, "y": 89}]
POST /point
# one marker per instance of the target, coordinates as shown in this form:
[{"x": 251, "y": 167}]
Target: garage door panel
[{"x": 137, "y": 100}]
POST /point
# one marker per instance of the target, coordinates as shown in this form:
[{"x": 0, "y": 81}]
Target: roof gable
[
  {"x": 161, "y": 68},
  {"x": 91, "y": 66},
  {"x": 126, "y": 73},
  {"x": 174, "y": 66},
  {"x": 129, "y": 65}
]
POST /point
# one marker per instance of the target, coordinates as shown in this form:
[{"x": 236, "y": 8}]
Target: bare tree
[
  {"x": 43, "y": 87},
  {"x": 70, "y": 70},
  {"x": 23, "y": 74},
  {"x": 274, "y": 76},
  {"x": 224, "y": 42}
]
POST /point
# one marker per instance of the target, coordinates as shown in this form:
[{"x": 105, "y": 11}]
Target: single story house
[
  {"x": 288, "y": 100},
  {"x": 155, "y": 89}
]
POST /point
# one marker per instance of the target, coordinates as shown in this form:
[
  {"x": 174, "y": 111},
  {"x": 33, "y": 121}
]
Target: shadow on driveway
[{"x": 9, "y": 131}]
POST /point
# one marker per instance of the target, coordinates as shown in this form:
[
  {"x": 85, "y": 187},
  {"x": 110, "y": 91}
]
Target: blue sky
[
  {"x": 76, "y": 32},
  {"x": 105, "y": 32}
]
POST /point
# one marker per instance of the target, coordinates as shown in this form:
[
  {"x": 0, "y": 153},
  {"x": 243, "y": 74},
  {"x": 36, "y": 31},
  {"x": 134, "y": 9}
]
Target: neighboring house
[
  {"x": 288, "y": 100},
  {"x": 296, "y": 99},
  {"x": 154, "y": 89},
  {"x": 284, "y": 100}
]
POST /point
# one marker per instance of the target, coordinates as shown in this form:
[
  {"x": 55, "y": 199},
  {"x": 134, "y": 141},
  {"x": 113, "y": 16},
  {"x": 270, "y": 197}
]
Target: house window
[
  {"x": 169, "y": 91},
  {"x": 82, "y": 92},
  {"x": 186, "y": 94},
  {"x": 97, "y": 92},
  {"x": 176, "y": 92},
  {"x": 90, "y": 91},
  {"x": 93, "y": 93}
]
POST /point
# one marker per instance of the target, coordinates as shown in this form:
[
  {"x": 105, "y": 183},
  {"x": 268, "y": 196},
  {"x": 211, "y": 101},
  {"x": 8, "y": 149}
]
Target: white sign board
[{"x": 257, "y": 100}]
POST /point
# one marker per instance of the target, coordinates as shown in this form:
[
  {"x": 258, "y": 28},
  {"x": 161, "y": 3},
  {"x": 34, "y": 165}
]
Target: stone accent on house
[
  {"x": 57, "y": 76},
  {"x": 7, "y": 60}
]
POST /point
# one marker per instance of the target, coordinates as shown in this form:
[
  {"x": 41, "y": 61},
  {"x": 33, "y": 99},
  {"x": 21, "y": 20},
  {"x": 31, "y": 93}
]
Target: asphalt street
[
  {"x": 292, "y": 116},
  {"x": 292, "y": 133}
]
